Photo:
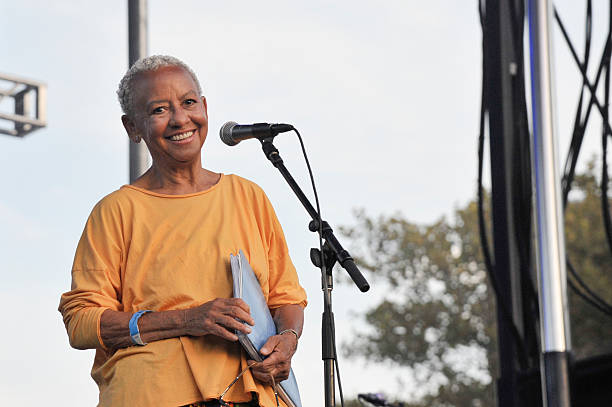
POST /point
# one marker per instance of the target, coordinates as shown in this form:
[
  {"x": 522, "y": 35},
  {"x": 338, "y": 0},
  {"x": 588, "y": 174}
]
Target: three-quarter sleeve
[
  {"x": 283, "y": 279},
  {"x": 96, "y": 281}
]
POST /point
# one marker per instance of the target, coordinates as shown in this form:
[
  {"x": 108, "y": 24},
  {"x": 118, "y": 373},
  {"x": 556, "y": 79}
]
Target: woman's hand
[
  {"x": 278, "y": 351},
  {"x": 219, "y": 317},
  {"x": 216, "y": 317}
]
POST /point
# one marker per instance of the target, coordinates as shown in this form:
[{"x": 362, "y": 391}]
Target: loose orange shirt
[{"x": 142, "y": 250}]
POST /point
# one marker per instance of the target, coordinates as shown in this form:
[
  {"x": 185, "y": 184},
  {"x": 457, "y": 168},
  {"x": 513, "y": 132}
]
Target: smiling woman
[
  {"x": 169, "y": 114},
  {"x": 162, "y": 244}
]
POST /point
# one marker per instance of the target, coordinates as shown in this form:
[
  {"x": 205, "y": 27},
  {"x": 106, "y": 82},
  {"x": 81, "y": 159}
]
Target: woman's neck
[{"x": 177, "y": 181}]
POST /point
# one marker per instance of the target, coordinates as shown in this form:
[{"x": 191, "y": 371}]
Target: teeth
[{"x": 181, "y": 136}]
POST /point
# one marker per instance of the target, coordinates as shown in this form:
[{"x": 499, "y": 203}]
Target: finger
[
  {"x": 222, "y": 332},
  {"x": 253, "y": 363},
  {"x": 272, "y": 362},
  {"x": 281, "y": 375},
  {"x": 230, "y": 323},
  {"x": 241, "y": 314},
  {"x": 234, "y": 307},
  {"x": 264, "y": 377},
  {"x": 279, "y": 369},
  {"x": 224, "y": 327},
  {"x": 260, "y": 372},
  {"x": 221, "y": 304},
  {"x": 239, "y": 302},
  {"x": 285, "y": 344},
  {"x": 276, "y": 361},
  {"x": 270, "y": 345}
]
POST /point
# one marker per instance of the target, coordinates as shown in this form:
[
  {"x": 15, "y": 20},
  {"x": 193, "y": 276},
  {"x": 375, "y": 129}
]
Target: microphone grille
[{"x": 226, "y": 133}]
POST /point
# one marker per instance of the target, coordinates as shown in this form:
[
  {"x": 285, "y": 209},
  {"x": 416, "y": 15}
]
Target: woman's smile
[{"x": 182, "y": 138}]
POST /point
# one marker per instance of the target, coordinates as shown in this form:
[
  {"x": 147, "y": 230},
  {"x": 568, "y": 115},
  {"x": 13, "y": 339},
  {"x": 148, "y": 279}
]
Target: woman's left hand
[{"x": 278, "y": 351}]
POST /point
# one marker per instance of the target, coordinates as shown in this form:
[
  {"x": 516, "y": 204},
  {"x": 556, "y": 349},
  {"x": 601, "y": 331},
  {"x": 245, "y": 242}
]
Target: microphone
[
  {"x": 232, "y": 133},
  {"x": 375, "y": 399}
]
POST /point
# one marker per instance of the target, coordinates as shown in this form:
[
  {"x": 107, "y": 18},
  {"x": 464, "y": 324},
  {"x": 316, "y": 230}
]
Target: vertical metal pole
[
  {"x": 549, "y": 220},
  {"x": 328, "y": 330},
  {"x": 137, "y": 33},
  {"x": 502, "y": 61}
]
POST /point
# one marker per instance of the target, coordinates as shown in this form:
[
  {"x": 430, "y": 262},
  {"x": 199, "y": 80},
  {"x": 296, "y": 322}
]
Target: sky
[{"x": 386, "y": 95}]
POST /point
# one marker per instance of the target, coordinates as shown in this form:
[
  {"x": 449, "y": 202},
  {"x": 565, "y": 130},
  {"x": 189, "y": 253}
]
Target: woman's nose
[{"x": 178, "y": 117}]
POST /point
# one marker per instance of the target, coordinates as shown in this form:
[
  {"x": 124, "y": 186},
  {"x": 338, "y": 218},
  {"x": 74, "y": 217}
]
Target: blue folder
[{"x": 247, "y": 287}]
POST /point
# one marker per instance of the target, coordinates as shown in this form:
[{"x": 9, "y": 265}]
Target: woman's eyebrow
[
  {"x": 187, "y": 93},
  {"x": 152, "y": 102}
]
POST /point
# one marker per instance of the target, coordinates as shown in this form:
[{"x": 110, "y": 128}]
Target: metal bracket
[{"x": 29, "y": 111}]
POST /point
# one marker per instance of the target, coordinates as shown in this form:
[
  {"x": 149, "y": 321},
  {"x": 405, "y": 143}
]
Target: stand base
[{"x": 556, "y": 379}]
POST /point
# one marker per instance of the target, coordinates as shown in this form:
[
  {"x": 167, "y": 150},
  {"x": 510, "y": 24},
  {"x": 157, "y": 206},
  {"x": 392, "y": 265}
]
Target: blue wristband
[{"x": 134, "y": 332}]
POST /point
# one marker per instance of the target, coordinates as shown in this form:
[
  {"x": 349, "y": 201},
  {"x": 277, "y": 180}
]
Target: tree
[
  {"x": 437, "y": 309},
  {"x": 438, "y": 319},
  {"x": 590, "y": 255}
]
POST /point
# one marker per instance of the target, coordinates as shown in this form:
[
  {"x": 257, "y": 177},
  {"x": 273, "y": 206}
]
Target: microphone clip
[{"x": 271, "y": 151}]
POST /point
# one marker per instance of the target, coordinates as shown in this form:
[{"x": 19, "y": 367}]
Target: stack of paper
[{"x": 247, "y": 287}]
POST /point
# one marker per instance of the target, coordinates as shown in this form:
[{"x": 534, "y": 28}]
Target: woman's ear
[
  {"x": 130, "y": 128},
  {"x": 205, "y": 107}
]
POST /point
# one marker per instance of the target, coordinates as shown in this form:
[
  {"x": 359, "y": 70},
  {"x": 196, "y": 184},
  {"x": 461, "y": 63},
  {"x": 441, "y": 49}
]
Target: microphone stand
[{"x": 332, "y": 252}]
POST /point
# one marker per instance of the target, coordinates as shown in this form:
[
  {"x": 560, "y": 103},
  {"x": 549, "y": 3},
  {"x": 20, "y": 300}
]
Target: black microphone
[
  {"x": 375, "y": 399},
  {"x": 232, "y": 133}
]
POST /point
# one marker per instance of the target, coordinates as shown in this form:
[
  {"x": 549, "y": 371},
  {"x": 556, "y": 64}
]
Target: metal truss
[{"x": 30, "y": 105}]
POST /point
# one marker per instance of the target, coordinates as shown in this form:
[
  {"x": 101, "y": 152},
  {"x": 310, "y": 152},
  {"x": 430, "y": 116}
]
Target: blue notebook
[{"x": 247, "y": 287}]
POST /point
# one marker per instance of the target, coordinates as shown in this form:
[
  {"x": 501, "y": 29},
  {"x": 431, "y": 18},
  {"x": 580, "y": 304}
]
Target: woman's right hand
[{"x": 219, "y": 317}]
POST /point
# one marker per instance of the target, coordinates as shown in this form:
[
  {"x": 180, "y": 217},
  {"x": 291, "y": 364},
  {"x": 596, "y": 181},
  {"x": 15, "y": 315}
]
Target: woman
[{"x": 162, "y": 244}]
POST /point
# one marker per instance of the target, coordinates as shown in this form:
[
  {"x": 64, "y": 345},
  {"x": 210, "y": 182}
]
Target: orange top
[{"x": 142, "y": 250}]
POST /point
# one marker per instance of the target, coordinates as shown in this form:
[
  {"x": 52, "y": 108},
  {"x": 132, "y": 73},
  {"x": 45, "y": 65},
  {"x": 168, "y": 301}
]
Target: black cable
[
  {"x": 604, "y": 65},
  {"x": 592, "y": 298},
  {"x": 522, "y": 187},
  {"x": 579, "y": 123},
  {"x": 582, "y": 69},
  {"x": 324, "y": 277},
  {"x": 604, "y": 113},
  {"x": 338, "y": 371},
  {"x": 579, "y": 130},
  {"x": 605, "y": 203},
  {"x": 587, "y": 299},
  {"x": 481, "y": 223},
  {"x": 489, "y": 266}
]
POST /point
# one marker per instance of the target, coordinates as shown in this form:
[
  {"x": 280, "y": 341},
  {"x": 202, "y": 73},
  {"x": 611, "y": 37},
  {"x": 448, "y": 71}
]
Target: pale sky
[{"x": 386, "y": 95}]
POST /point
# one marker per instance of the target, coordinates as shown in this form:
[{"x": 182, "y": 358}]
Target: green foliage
[
  {"x": 436, "y": 311},
  {"x": 437, "y": 319}
]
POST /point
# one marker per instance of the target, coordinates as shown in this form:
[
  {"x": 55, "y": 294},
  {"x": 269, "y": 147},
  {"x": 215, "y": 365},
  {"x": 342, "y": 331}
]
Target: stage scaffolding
[
  {"x": 516, "y": 264},
  {"x": 29, "y": 105}
]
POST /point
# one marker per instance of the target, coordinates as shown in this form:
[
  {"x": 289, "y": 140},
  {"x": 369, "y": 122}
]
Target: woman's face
[{"x": 169, "y": 115}]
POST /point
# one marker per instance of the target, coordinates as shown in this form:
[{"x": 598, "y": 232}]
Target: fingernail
[{"x": 248, "y": 330}]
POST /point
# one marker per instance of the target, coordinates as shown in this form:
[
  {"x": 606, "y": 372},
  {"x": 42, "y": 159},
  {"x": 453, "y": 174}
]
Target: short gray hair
[{"x": 125, "y": 92}]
